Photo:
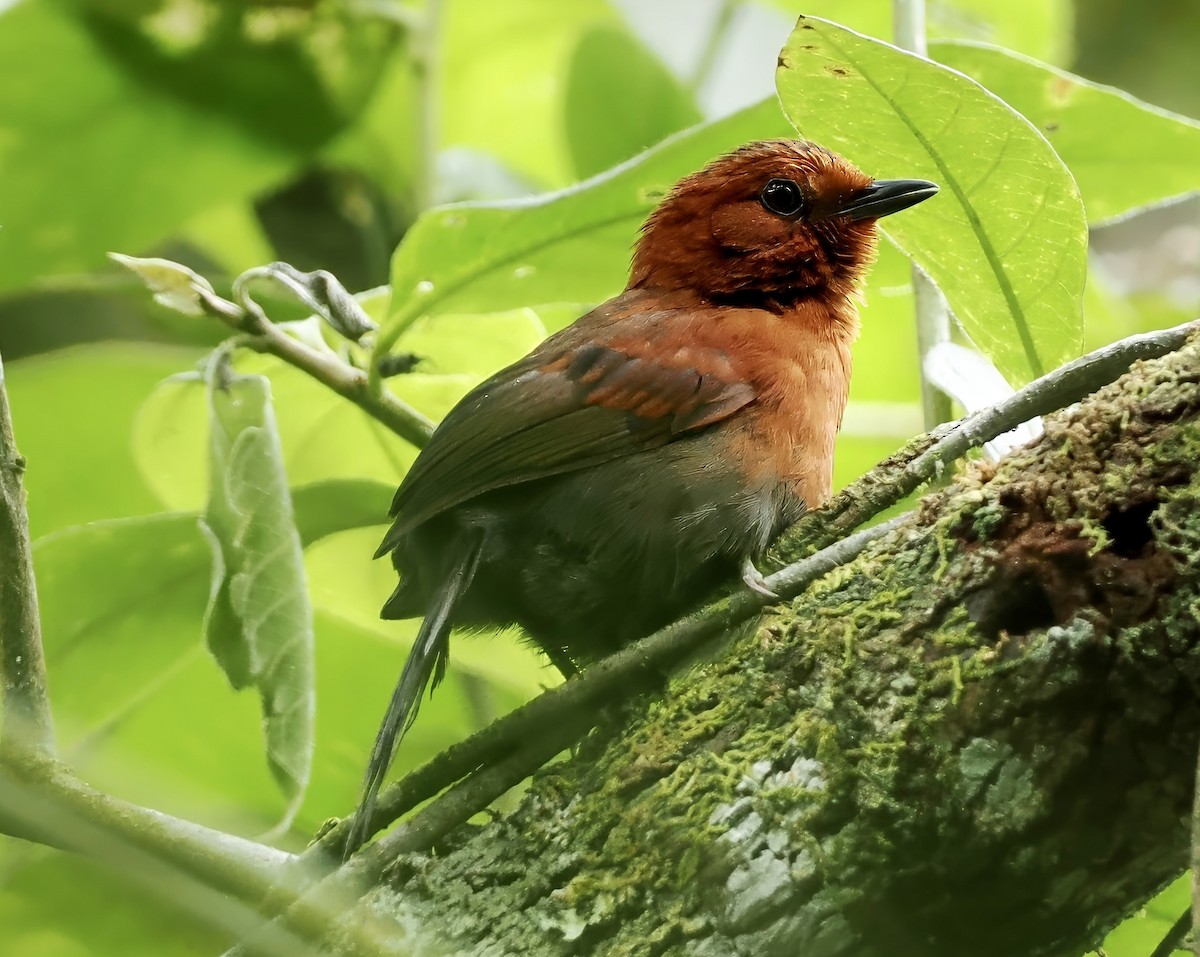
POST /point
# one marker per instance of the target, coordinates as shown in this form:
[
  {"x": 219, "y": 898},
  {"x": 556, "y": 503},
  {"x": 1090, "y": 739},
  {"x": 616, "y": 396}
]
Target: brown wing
[{"x": 563, "y": 409}]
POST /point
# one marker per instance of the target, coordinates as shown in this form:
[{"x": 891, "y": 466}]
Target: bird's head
[{"x": 770, "y": 224}]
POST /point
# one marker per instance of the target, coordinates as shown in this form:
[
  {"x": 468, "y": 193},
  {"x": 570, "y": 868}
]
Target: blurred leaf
[
  {"x": 1006, "y": 197},
  {"x": 886, "y": 364},
  {"x": 1040, "y": 28},
  {"x": 517, "y": 51},
  {"x": 572, "y": 246},
  {"x": 230, "y": 236},
  {"x": 139, "y": 707},
  {"x": 610, "y": 71},
  {"x": 86, "y": 472},
  {"x": 258, "y": 624},
  {"x": 37, "y": 924},
  {"x": 325, "y": 508},
  {"x": 1152, "y": 158},
  {"x": 71, "y": 121},
  {"x": 1112, "y": 316}
]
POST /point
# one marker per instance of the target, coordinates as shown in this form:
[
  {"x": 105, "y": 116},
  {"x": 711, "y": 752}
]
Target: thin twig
[
  {"x": 425, "y": 62},
  {"x": 27, "y": 731},
  {"x": 350, "y": 383},
  {"x": 880, "y": 489},
  {"x": 30, "y": 808},
  {"x": 233, "y": 865},
  {"x": 712, "y": 46}
]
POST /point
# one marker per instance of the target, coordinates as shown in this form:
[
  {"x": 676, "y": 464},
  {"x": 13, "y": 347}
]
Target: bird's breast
[{"x": 794, "y": 427}]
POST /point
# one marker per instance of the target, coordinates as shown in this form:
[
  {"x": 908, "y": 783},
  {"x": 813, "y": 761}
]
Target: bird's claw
[{"x": 755, "y": 581}]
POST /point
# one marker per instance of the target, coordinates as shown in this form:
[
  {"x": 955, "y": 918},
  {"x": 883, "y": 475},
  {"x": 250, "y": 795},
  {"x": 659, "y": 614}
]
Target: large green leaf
[
  {"x": 1006, "y": 239},
  {"x": 139, "y": 706},
  {"x": 1041, "y": 28},
  {"x": 258, "y": 624},
  {"x": 572, "y": 246},
  {"x": 609, "y": 71},
  {"x": 1123, "y": 153},
  {"x": 74, "y": 120}
]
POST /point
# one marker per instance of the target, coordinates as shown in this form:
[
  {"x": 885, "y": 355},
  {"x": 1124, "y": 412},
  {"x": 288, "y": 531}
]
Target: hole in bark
[
  {"x": 1015, "y": 607},
  {"x": 1129, "y": 529}
]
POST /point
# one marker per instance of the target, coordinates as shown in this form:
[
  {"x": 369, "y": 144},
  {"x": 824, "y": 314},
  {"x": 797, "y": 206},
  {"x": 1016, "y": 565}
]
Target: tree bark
[{"x": 978, "y": 738}]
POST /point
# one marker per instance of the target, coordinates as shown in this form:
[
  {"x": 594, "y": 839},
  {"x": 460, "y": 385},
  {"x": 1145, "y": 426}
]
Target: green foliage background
[{"x": 225, "y": 135}]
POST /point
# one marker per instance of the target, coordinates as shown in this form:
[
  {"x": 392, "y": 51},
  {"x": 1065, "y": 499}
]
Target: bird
[{"x": 635, "y": 461}]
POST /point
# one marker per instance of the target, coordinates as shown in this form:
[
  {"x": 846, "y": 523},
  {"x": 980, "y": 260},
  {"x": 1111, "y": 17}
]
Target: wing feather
[{"x": 559, "y": 410}]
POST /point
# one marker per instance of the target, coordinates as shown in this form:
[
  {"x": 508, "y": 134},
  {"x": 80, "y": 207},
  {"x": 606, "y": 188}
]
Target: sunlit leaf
[
  {"x": 258, "y": 624},
  {"x": 1123, "y": 153},
  {"x": 1005, "y": 240},
  {"x": 1041, "y": 28}
]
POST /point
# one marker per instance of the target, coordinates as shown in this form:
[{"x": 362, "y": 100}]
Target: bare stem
[
  {"x": 28, "y": 729},
  {"x": 348, "y": 382},
  {"x": 881, "y": 489},
  {"x": 933, "y": 320},
  {"x": 425, "y": 66}
]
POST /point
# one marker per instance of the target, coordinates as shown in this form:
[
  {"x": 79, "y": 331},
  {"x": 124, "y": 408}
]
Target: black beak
[{"x": 886, "y": 196}]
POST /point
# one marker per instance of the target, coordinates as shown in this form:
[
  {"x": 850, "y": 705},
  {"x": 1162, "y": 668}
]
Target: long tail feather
[{"x": 427, "y": 660}]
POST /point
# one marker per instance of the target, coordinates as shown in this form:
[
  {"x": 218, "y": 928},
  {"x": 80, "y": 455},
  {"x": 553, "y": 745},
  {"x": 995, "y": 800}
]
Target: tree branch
[
  {"x": 28, "y": 729},
  {"x": 350, "y": 383}
]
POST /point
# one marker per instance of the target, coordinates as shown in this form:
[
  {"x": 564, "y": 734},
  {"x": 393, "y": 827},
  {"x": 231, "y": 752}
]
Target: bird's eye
[{"x": 782, "y": 197}]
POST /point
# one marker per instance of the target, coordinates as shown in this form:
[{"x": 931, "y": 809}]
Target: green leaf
[
  {"x": 571, "y": 246},
  {"x": 67, "y": 116},
  {"x": 258, "y": 624},
  {"x": 137, "y": 703},
  {"x": 1041, "y": 28},
  {"x": 1124, "y": 153},
  {"x": 86, "y": 472},
  {"x": 1005, "y": 240},
  {"x": 501, "y": 74},
  {"x": 326, "y": 508},
  {"x": 609, "y": 71}
]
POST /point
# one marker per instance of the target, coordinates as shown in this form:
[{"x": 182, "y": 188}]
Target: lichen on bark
[{"x": 979, "y": 737}]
